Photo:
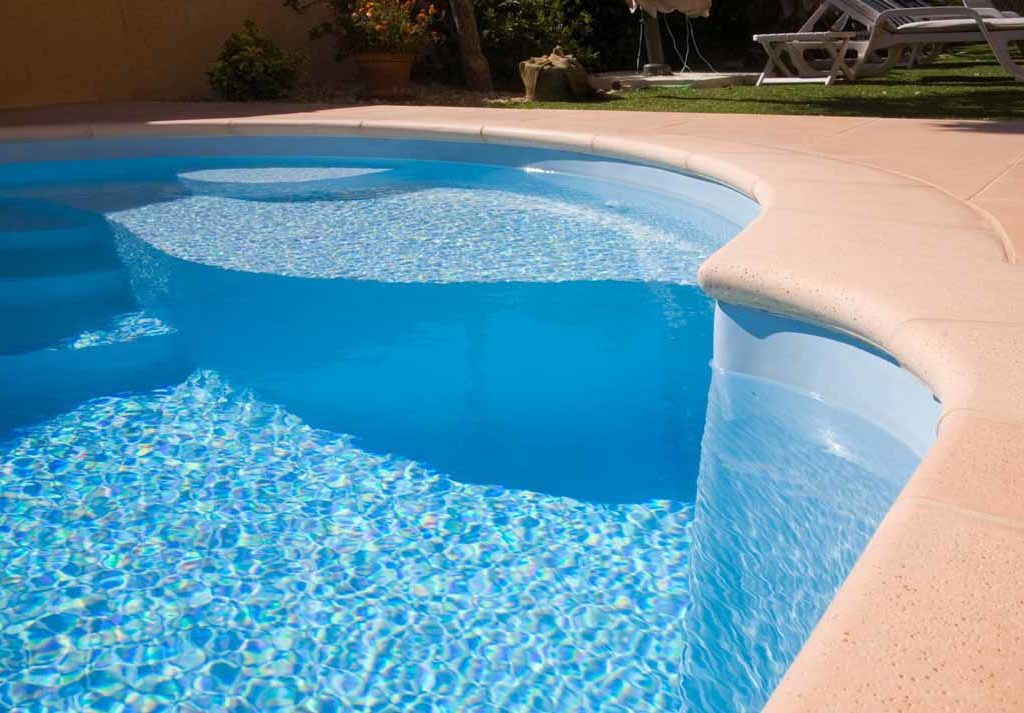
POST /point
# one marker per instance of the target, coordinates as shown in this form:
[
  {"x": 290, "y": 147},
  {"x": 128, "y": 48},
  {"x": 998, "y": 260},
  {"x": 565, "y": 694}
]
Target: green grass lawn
[{"x": 967, "y": 84}]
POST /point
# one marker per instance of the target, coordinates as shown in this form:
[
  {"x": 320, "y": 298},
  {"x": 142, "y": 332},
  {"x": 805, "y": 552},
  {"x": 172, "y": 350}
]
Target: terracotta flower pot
[{"x": 385, "y": 74}]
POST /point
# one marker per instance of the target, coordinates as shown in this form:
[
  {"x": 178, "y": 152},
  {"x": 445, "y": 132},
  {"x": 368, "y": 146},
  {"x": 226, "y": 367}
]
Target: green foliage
[
  {"x": 252, "y": 67},
  {"x": 513, "y": 30},
  {"x": 614, "y": 35},
  {"x": 395, "y": 26}
]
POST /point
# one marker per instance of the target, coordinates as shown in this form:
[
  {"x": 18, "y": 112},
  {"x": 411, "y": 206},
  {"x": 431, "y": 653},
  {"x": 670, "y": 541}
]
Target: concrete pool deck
[{"x": 906, "y": 233}]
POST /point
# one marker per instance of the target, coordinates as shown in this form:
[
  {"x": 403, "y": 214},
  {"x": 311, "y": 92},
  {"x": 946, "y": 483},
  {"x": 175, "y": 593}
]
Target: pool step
[
  {"x": 14, "y": 241},
  {"x": 67, "y": 328},
  {"x": 35, "y": 222},
  {"x": 40, "y": 238},
  {"x": 87, "y": 247},
  {"x": 59, "y": 274},
  {"x": 41, "y": 312},
  {"x": 98, "y": 286},
  {"x": 67, "y": 260},
  {"x": 39, "y": 384}
]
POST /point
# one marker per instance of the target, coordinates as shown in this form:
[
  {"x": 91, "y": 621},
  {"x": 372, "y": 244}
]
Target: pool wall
[
  {"x": 810, "y": 436},
  {"x": 833, "y": 367},
  {"x": 31, "y": 161},
  {"x": 904, "y": 257}
]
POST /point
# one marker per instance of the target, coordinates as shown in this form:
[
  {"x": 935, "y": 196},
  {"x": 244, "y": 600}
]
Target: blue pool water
[{"x": 352, "y": 425}]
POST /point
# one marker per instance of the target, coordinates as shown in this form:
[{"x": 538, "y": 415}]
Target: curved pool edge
[{"x": 925, "y": 620}]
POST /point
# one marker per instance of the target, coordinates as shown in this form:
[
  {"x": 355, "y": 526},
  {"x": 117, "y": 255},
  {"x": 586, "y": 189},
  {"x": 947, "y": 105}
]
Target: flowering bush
[{"x": 393, "y": 26}]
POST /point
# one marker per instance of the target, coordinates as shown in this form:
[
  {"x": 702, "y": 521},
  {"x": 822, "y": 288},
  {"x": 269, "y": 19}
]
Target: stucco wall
[{"x": 54, "y": 51}]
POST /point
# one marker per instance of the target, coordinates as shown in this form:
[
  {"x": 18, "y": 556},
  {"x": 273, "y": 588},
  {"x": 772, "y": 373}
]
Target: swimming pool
[{"x": 400, "y": 425}]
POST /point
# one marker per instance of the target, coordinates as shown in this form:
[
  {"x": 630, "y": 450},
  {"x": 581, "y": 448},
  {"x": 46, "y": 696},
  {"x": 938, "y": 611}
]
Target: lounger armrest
[{"x": 931, "y": 13}]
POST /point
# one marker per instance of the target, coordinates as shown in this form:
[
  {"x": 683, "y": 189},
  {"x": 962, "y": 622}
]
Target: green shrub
[
  {"x": 513, "y": 30},
  {"x": 252, "y": 67}
]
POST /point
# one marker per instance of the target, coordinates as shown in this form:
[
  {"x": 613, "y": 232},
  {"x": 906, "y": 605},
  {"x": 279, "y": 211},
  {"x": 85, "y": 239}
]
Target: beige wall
[{"x": 54, "y": 51}]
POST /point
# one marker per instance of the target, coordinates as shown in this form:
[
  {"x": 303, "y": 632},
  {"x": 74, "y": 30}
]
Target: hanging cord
[
  {"x": 693, "y": 37},
  {"x": 685, "y": 60},
  {"x": 640, "y": 44}
]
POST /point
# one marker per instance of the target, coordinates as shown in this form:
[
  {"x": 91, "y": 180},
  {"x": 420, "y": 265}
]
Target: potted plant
[{"x": 384, "y": 36}]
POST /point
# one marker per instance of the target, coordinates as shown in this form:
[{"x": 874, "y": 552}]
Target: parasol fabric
[{"x": 693, "y": 8}]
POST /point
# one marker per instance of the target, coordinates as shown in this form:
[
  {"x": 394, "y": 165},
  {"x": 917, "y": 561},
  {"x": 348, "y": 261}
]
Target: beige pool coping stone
[{"x": 905, "y": 233}]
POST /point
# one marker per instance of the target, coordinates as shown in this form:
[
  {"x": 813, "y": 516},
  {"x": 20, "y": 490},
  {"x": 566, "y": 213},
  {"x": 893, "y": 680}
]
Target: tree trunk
[
  {"x": 652, "y": 37},
  {"x": 474, "y": 65}
]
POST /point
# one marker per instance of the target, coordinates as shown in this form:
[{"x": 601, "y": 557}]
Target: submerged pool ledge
[{"x": 926, "y": 619}]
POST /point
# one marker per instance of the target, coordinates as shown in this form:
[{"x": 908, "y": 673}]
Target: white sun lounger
[{"x": 896, "y": 26}]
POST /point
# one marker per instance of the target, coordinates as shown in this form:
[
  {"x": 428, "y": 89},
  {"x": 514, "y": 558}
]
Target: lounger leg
[
  {"x": 837, "y": 57},
  {"x": 921, "y": 55},
  {"x": 1001, "y": 49},
  {"x": 797, "y": 58},
  {"x": 929, "y": 53},
  {"x": 865, "y": 67},
  {"x": 840, "y": 24},
  {"x": 775, "y": 65},
  {"x": 765, "y": 74},
  {"x": 840, "y": 66},
  {"x": 914, "y": 53}
]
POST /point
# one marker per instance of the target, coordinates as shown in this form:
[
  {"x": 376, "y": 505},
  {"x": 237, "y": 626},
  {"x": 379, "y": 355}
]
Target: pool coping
[{"x": 932, "y": 616}]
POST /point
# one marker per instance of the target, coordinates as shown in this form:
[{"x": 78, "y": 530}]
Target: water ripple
[{"x": 200, "y": 549}]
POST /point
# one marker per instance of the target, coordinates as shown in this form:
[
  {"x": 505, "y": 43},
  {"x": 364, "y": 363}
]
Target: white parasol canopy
[{"x": 693, "y": 8}]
